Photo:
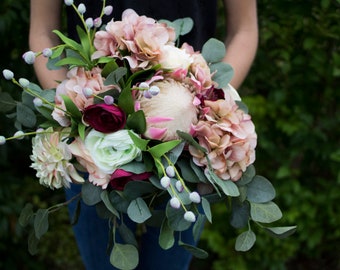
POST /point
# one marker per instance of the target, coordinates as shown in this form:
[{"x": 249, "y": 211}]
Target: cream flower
[
  {"x": 173, "y": 58},
  {"x": 51, "y": 159},
  {"x": 173, "y": 109},
  {"x": 111, "y": 150}
]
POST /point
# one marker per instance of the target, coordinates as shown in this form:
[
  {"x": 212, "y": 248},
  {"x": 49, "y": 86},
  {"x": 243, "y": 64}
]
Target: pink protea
[
  {"x": 173, "y": 109},
  {"x": 77, "y": 80},
  {"x": 229, "y": 136}
]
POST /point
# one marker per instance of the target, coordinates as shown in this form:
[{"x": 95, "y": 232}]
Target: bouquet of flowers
[{"x": 148, "y": 128}]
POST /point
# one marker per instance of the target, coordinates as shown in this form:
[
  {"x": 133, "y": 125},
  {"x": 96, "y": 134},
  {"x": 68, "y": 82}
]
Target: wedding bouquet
[{"x": 149, "y": 129}]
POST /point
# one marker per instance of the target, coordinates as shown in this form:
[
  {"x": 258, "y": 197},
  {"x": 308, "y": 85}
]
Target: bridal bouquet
[{"x": 149, "y": 129}]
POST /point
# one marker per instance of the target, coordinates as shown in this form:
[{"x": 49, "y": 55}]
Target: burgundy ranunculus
[
  {"x": 120, "y": 178},
  {"x": 104, "y": 118}
]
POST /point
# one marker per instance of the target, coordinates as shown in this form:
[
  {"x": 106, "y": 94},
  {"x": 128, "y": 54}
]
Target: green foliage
[{"x": 292, "y": 93}]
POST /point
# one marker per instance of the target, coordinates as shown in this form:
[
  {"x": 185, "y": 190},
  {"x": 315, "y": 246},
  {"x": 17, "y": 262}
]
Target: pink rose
[
  {"x": 104, "y": 118},
  {"x": 120, "y": 178}
]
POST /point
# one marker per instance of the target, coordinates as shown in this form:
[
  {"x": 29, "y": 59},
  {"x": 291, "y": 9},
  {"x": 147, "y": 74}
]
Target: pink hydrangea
[
  {"x": 77, "y": 80},
  {"x": 229, "y": 136},
  {"x": 142, "y": 37}
]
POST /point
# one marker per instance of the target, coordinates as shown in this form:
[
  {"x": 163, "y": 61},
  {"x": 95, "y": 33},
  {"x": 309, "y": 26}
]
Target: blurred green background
[{"x": 293, "y": 94}]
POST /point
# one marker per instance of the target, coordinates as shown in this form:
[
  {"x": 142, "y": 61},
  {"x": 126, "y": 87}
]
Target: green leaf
[
  {"x": 41, "y": 222},
  {"x": 176, "y": 219},
  {"x": 57, "y": 52},
  {"x": 32, "y": 243},
  {"x": 124, "y": 256},
  {"x": 139, "y": 142},
  {"x": 109, "y": 67},
  {"x": 26, "y": 215},
  {"x": 195, "y": 251},
  {"x": 125, "y": 100},
  {"x": 166, "y": 238},
  {"x": 138, "y": 211},
  {"x": 190, "y": 140},
  {"x": 240, "y": 213},
  {"x": 260, "y": 190},
  {"x": 25, "y": 115},
  {"x": 160, "y": 149},
  {"x": 84, "y": 40},
  {"x": 115, "y": 76},
  {"x": 48, "y": 94},
  {"x": 228, "y": 187},
  {"x": 281, "y": 232},
  {"x": 187, "y": 172},
  {"x": 213, "y": 50},
  {"x": 245, "y": 241},
  {"x": 223, "y": 73},
  {"x": 72, "y": 108},
  {"x": 135, "y": 189},
  {"x": 7, "y": 103},
  {"x": 81, "y": 130},
  {"x": 265, "y": 212},
  {"x": 127, "y": 235},
  {"x": 106, "y": 200},
  {"x": 118, "y": 201},
  {"x": 71, "y": 61},
  {"x": 206, "y": 209},
  {"x": 90, "y": 193},
  {"x": 69, "y": 42},
  {"x": 247, "y": 176},
  {"x": 198, "y": 226},
  {"x": 136, "y": 121}
]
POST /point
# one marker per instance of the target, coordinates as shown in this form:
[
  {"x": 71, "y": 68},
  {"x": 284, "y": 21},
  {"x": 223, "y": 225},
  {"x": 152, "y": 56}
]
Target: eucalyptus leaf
[
  {"x": 115, "y": 76},
  {"x": 135, "y": 189},
  {"x": 90, "y": 193},
  {"x": 198, "y": 226},
  {"x": 187, "y": 172},
  {"x": 119, "y": 202},
  {"x": 166, "y": 237},
  {"x": 247, "y": 176},
  {"x": 223, "y": 73},
  {"x": 134, "y": 167},
  {"x": 195, "y": 251},
  {"x": 7, "y": 103},
  {"x": 138, "y": 211},
  {"x": 25, "y": 115},
  {"x": 106, "y": 200},
  {"x": 109, "y": 67},
  {"x": 26, "y": 215},
  {"x": 127, "y": 235},
  {"x": 190, "y": 140},
  {"x": 124, "y": 256},
  {"x": 281, "y": 232},
  {"x": 245, "y": 241},
  {"x": 260, "y": 190},
  {"x": 265, "y": 212},
  {"x": 228, "y": 187},
  {"x": 48, "y": 94},
  {"x": 213, "y": 50},
  {"x": 176, "y": 219},
  {"x": 32, "y": 243},
  {"x": 27, "y": 99},
  {"x": 240, "y": 213},
  {"x": 176, "y": 152},
  {"x": 183, "y": 25},
  {"x": 206, "y": 209},
  {"x": 41, "y": 222}
]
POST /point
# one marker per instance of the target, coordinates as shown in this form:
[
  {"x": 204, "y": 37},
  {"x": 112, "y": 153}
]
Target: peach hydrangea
[
  {"x": 229, "y": 136},
  {"x": 77, "y": 80},
  {"x": 142, "y": 37}
]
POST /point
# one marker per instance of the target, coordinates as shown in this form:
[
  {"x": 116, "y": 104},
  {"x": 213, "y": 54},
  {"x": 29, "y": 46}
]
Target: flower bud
[
  {"x": 108, "y": 10},
  {"x": 154, "y": 90},
  {"x": 81, "y": 8},
  {"x": 8, "y": 74},
  {"x": 2, "y": 140},
  {"x": 170, "y": 171},
  {"x": 165, "y": 181},
  {"x": 175, "y": 203},
  {"x": 19, "y": 135},
  {"x": 89, "y": 22},
  {"x": 108, "y": 100},
  {"x": 37, "y": 102},
  {"x": 179, "y": 186},
  {"x": 24, "y": 82},
  {"x": 195, "y": 197},
  {"x": 97, "y": 22},
  {"x": 147, "y": 94},
  {"x": 29, "y": 57},
  {"x": 47, "y": 52},
  {"x": 68, "y": 2},
  {"x": 144, "y": 86},
  {"x": 189, "y": 216},
  {"x": 88, "y": 92}
]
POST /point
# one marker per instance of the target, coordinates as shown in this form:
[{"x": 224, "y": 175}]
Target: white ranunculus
[
  {"x": 174, "y": 58},
  {"x": 111, "y": 150}
]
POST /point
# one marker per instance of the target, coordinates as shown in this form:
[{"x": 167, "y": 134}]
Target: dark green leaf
[
  {"x": 127, "y": 235},
  {"x": 195, "y": 251},
  {"x": 207, "y": 209},
  {"x": 245, "y": 241},
  {"x": 106, "y": 200},
  {"x": 124, "y": 256},
  {"x": 41, "y": 222},
  {"x": 135, "y": 189},
  {"x": 260, "y": 190},
  {"x": 240, "y": 213},
  {"x": 281, "y": 232},
  {"x": 136, "y": 121},
  {"x": 125, "y": 100},
  {"x": 7, "y": 103},
  {"x": 166, "y": 236},
  {"x": 176, "y": 219},
  {"x": 26, "y": 215},
  {"x": 90, "y": 193},
  {"x": 26, "y": 116},
  {"x": 138, "y": 211}
]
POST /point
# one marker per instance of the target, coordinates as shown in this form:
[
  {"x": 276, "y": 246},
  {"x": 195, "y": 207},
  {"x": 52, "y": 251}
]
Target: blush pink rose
[{"x": 104, "y": 118}]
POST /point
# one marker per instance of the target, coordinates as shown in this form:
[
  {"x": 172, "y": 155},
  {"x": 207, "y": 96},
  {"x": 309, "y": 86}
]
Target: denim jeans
[{"x": 92, "y": 236}]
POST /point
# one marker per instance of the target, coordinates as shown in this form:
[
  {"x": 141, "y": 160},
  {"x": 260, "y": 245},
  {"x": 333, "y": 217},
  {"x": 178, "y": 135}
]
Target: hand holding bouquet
[{"x": 149, "y": 129}]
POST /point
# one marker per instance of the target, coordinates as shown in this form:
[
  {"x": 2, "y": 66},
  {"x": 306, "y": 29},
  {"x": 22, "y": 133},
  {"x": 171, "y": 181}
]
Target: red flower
[
  {"x": 120, "y": 178},
  {"x": 104, "y": 118}
]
